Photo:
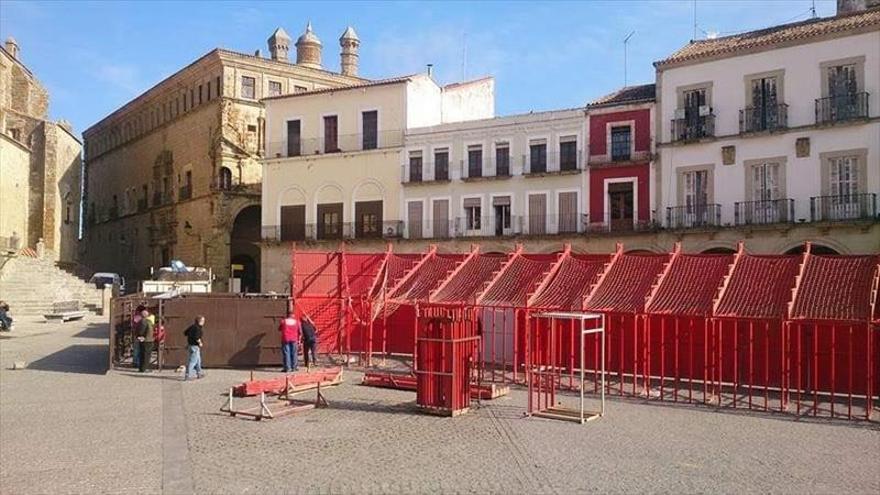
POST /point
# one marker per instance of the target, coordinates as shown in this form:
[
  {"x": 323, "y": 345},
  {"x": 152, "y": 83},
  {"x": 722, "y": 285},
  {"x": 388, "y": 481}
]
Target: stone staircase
[{"x": 31, "y": 285}]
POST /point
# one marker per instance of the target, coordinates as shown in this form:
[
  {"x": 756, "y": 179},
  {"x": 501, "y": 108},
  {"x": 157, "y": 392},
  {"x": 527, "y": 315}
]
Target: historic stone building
[
  {"x": 175, "y": 173},
  {"x": 40, "y": 163}
]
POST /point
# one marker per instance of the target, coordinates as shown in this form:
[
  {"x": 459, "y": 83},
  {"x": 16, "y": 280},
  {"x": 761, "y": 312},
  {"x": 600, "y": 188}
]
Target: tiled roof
[
  {"x": 759, "y": 287},
  {"x": 512, "y": 287},
  {"x": 690, "y": 286},
  {"x": 798, "y": 32},
  {"x": 836, "y": 288},
  {"x": 626, "y": 95},
  {"x": 572, "y": 283},
  {"x": 627, "y": 283},
  {"x": 369, "y": 84},
  {"x": 465, "y": 286}
]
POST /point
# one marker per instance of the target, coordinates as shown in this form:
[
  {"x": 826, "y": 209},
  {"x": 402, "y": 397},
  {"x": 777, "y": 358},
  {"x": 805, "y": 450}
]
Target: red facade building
[{"x": 621, "y": 149}]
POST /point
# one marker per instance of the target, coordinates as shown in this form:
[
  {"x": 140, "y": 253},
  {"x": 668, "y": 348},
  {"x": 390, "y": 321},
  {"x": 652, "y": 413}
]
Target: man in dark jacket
[
  {"x": 194, "y": 345},
  {"x": 310, "y": 341},
  {"x": 145, "y": 340}
]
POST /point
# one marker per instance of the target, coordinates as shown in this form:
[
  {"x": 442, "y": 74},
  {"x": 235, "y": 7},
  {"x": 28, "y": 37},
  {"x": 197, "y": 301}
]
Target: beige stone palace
[
  {"x": 40, "y": 162},
  {"x": 175, "y": 173}
]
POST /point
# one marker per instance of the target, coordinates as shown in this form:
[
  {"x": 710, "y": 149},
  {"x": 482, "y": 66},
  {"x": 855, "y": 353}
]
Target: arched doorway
[
  {"x": 244, "y": 249},
  {"x": 814, "y": 249}
]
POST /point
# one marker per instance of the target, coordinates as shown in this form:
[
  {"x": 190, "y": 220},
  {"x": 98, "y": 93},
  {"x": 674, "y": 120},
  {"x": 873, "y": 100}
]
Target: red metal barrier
[
  {"x": 769, "y": 333},
  {"x": 447, "y": 357}
]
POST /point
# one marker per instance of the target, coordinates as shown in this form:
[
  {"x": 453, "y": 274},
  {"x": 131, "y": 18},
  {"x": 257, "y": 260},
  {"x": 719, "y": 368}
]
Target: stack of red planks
[
  {"x": 401, "y": 381},
  {"x": 298, "y": 381}
]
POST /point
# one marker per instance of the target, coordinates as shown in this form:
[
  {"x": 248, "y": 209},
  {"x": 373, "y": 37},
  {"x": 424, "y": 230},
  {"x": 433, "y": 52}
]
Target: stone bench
[{"x": 65, "y": 311}]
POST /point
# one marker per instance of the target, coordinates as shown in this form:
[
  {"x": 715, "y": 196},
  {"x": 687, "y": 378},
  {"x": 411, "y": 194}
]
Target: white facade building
[
  {"x": 774, "y": 126},
  {"x": 520, "y": 174}
]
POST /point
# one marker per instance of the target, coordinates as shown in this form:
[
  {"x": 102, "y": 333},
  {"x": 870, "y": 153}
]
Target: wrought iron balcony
[
  {"x": 390, "y": 229},
  {"x": 488, "y": 226},
  {"x": 843, "y": 207},
  {"x": 598, "y": 224},
  {"x": 344, "y": 143},
  {"x": 429, "y": 229},
  {"x": 842, "y": 108},
  {"x": 763, "y": 118},
  {"x": 489, "y": 168},
  {"x": 428, "y": 172},
  {"x": 693, "y": 128},
  {"x": 764, "y": 212},
  {"x": 553, "y": 163},
  {"x": 693, "y": 216}
]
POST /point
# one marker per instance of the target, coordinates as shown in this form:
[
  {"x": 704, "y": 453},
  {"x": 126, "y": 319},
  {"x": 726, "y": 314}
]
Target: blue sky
[{"x": 95, "y": 56}]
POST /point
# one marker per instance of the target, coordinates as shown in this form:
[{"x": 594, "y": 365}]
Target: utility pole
[{"x": 625, "y": 42}]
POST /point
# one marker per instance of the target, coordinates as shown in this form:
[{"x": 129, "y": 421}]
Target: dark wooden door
[
  {"x": 293, "y": 223},
  {"x": 330, "y": 221},
  {"x": 293, "y": 138},
  {"x": 368, "y": 219}
]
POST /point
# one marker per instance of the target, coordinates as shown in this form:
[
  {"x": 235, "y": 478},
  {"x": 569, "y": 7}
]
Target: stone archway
[
  {"x": 814, "y": 249},
  {"x": 244, "y": 248}
]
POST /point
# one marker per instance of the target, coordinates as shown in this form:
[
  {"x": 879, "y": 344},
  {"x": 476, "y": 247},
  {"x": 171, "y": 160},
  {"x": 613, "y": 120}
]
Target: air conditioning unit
[
  {"x": 705, "y": 110},
  {"x": 679, "y": 113}
]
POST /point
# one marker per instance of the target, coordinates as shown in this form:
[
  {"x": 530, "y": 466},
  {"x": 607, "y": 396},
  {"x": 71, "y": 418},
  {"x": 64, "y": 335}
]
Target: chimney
[
  {"x": 258, "y": 53},
  {"x": 279, "y": 45},
  {"x": 350, "y": 43},
  {"x": 431, "y": 71},
  {"x": 12, "y": 47}
]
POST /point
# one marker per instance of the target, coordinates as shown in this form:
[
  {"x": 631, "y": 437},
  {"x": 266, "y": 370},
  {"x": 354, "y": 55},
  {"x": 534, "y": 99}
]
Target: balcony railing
[
  {"x": 391, "y": 229},
  {"x": 844, "y": 207},
  {"x": 606, "y": 159},
  {"x": 599, "y": 224},
  {"x": 488, "y": 226},
  {"x": 490, "y": 169},
  {"x": 763, "y": 212},
  {"x": 842, "y": 108},
  {"x": 553, "y": 163},
  {"x": 693, "y": 216},
  {"x": 185, "y": 192},
  {"x": 693, "y": 128},
  {"x": 344, "y": 143},
  {"x": 763, "y": 118},
  {"x": 429, "y": 229},
  {"x": 430, "y": 172}
]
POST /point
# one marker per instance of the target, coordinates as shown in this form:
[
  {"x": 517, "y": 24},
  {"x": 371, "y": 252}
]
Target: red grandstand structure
[{"x": 795, "y": 333}]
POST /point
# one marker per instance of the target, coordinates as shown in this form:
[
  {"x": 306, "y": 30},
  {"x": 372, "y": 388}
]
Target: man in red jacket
[{"x": 290, "y": 335}]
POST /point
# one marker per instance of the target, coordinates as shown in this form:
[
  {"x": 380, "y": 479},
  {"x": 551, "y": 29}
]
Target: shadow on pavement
[
  {"x": 86, "y": 359},
  {"x": 95, "y": 331}
]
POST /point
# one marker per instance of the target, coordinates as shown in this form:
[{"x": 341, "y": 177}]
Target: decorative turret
[
  {"x": 349, "y": 42},
  {"x": 279, "y": 44},
  {"x": 308, "y": 49},
  {"x": 12, "y": 47}
]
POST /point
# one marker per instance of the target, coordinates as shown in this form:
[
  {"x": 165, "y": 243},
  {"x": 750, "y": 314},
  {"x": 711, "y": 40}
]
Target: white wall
[
  {"x": 469, "y": 101},
  {"x": 802, "y": 86}
]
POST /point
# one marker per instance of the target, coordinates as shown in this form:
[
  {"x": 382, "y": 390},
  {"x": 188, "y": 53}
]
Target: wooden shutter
[
  {"x": 537, "y": 214},
  {"x": 568, "y": 212},
  {"x": 414, "y": 219},
  {"x": 293, "y": 222},
  {"x": 441, "y": 218},
  {"x": 293, "y": 138},
  {"x": 331, "y": 142}
]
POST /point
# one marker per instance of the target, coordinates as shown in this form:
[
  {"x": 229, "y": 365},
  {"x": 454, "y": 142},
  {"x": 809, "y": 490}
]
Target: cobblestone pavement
[{"x": 66, "y": 427}]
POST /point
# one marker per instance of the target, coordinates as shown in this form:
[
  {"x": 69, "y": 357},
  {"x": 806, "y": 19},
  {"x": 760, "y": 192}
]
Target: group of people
[
  {"x": 293, "y": 332},
  {"x": 5, "y": 319}
]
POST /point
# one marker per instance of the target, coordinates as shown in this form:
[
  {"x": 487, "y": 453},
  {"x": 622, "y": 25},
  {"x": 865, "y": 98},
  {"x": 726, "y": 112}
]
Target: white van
[{"x": 100, "y": 279}]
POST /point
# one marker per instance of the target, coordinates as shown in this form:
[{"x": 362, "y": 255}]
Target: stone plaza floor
[{"x": 67, "y": 425}]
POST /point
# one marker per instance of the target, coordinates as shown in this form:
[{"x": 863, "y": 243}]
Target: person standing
[
  {"x": 135, "y": 343},
  {"x": 194, "y": 345},
  {"x": 145, "y": 340},
  {"x": 290, "y": 331},
  {"x": 309, "y": 340}
]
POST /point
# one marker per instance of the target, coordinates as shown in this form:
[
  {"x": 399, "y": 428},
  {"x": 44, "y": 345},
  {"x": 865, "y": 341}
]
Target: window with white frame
[
  {"x": 765, "y": 181},
  {"x": 696, "y": 189},
  {"x": 473, "y": 211},
  {"x": 621, "y": 142},
  {"x": 475, "y": 160},
  {"x": 844, "y": 178},
  {"x": 248, "y": 88}
]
